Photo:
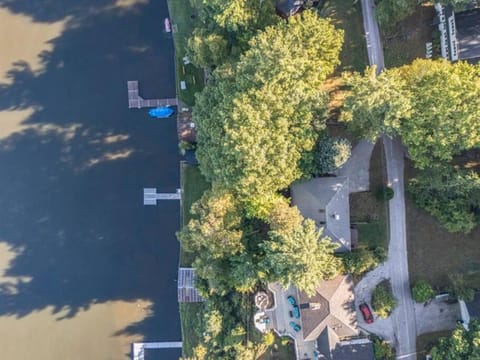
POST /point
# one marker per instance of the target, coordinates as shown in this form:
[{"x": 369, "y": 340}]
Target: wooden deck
[{"x": 136, "y": 101}]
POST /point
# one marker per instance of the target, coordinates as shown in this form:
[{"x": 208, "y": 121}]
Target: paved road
[
  {"x": 372, "y": 35},
  {"x": 85, "y": 268},
  {"x": 404, "y": 315}
]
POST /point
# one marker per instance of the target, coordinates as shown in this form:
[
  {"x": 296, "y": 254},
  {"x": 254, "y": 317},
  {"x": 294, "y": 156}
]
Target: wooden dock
[{"x": 136, "y": 101}]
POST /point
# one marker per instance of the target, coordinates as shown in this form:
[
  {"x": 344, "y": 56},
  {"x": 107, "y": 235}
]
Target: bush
[
  {"x": 358, "y": 262},
  {"x": 383, "y": 301},
  {"x": 183, "y": 146},
  {"x": 330, "y": 154},
  {"x": 382, "y": 350},
  {"x": 459, "y": 287},
  {"x": 269, "y": 338},
  {"x": 384, "y": 193},
  {"x": 422, "y": 291}
]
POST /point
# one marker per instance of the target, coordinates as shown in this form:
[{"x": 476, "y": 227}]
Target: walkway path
[
  {"x": 403, "y": 317},
  {"x": 136, "y": 101}
]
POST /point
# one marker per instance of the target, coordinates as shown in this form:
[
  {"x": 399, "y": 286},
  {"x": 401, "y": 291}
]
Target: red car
[{"x": 367, "y": 314}]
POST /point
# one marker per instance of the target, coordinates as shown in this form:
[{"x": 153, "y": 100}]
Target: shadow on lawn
[{"x": 71, "y": 199}]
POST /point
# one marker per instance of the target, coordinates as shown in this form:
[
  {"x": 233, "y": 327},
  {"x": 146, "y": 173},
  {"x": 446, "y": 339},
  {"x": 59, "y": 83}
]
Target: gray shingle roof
[
  {"x": 325, "y": 200},
  {"x": 332, "y": 306},
  {"x": 468, "y": 33}
]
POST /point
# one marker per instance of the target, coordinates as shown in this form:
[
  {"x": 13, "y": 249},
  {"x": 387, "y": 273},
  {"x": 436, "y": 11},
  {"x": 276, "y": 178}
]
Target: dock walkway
[{"x": 136, "y": 101}]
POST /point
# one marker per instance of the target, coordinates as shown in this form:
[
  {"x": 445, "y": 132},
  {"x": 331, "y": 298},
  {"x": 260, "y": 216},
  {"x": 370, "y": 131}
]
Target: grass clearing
[
  {"x": 191, "y": 318},
  {"x": 369, "y": 213},
  {"x": 193, "y": 186},
  {"x": 425, "y": 342},
  {"x": 182, "y": 26},
  {"x": 433, "y": 252},
  {"x": 347, "y": 15},
  {"x": 406, "y": 41}
]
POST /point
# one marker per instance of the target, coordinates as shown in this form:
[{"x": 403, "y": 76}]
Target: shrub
[
  {"x": 382, "y": 350},
  {"x": 459, "y": 287},
  {"x": 384, "y": 193},
  {"x": 358, "y": 262},
  {"x": 422, "y": 291},
  {"x": 383, "y": 301},
  {"x": 330, "y": 154},
  {"x": 269, "y": 338},
  {"x": 183, "y": 146}
]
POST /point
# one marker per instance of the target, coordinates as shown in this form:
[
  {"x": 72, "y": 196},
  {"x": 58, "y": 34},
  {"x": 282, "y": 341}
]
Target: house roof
[
  {"x": 325, "y": 200},
  {"x": 331, "y": 348},
  {"x": 474, "y": 306},
  {"x": 286, "y": 8},
  {"x": 468, "y": 33},
  {"x": 332, "y": 306}
]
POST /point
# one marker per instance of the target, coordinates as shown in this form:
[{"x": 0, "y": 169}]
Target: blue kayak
[{"x": 161, "y": 112}]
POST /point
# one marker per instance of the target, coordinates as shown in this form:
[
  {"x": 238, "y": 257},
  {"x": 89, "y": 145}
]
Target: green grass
[
  {"x": 406, "y": 41},
  {"x": 191, "y": 314},
  {"x": 347, "y": 15},
  {"x": 193, "y": 186},
  {"x": 425, "y": 342},
  {"x": 433, "y": 252},
  {"x": 191, "y": 318},
  {"x": 370, "y": 214},
  {"x": 183, "y": 25}
]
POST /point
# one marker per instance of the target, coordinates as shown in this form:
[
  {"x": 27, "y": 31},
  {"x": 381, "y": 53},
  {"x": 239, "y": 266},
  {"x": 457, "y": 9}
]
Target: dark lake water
[{"x": 87, "y": 268}]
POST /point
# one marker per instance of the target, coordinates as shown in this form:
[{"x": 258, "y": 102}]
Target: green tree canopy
[
  {"x": 257, "y": 118},
  {"x": 433, "y": 105},
  {"x": 299, "y": 258},
  {"x": 330, "y": 154},
  {"x": 462, "y": 344},
  {"x": 451, "y": 195},
  {"x": 422, "y": 291},
  {"x": 383, "y": 301},
  {"x": 215, "y": 227}
]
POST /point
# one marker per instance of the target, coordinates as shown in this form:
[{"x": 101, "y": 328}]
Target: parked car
[
  {"x": 295, "y": 326},
  {"x": 291, "y": 300},
  {"x": 367, "y": 314},
  {"x": 296, "y": 312}
]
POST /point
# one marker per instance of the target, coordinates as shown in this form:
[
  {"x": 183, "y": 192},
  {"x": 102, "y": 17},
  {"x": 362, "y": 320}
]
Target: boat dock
[{"x": 136, "y": 101}]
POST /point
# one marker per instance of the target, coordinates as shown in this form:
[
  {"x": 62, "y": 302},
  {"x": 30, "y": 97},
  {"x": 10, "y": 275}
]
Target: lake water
[{"x": 85, "y": 268}]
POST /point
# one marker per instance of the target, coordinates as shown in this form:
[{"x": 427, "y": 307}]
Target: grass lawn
[
  {"x": 191, "y": 317},
  {"x": 433, "y": 252},
  {"x": 425, "y": 342},
  {"x": 191, "y": 314},
  {"x": 347, "y": 15},
  {"x": 370, "y": 214},
  {"x": 193, "y": 186},
  {"x": 282, "y": 349},
  {"x": 183, "y": 24},
  {"x": 406, "y": 40}
]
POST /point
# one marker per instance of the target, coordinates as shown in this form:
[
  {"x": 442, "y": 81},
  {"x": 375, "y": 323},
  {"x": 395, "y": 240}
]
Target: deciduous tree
[{"x": 300, "y": 257}]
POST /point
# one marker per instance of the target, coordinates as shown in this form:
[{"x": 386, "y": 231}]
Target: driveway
[
  {"x": 357, "y": 168},
  {"x": 403, "y": 316}
]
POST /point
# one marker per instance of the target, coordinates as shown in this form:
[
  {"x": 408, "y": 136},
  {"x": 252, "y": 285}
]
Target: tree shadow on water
[{"x": 71, "y": 200}]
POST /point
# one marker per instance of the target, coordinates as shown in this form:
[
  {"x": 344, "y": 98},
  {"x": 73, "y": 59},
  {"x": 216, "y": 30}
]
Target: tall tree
[
  {"x": 452, "y": 196},
  {"x": 462, "y": 344},
  {"x": 258, "y": 117},
  {"x": 433, "y": 105},
  {"x": 300, "y": 257}
]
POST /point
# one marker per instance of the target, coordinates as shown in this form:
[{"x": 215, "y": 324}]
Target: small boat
[
  {"x": 161, "y": 112},
  {"x": 168, "y": 26}
]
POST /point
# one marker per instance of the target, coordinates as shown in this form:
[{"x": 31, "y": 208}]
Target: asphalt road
[
  {"x": 404, "y": 315},
  {"x": 85, "y": 268}
]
